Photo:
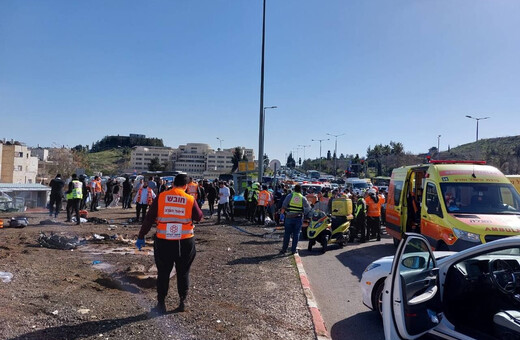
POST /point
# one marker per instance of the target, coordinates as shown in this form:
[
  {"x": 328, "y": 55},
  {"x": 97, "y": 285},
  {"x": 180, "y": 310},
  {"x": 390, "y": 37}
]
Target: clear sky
[{"x": 72, "y": 72}]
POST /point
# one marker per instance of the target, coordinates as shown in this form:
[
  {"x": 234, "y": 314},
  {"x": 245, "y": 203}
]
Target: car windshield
[
  {"x": 481, "y": 198},
  {"x": 360, "y": 185}
]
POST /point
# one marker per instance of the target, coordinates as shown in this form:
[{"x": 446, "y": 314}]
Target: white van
[{"x": 357, "y": 185}]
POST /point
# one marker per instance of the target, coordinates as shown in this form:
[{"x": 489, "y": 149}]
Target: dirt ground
[{"x": 104, "y": 289}]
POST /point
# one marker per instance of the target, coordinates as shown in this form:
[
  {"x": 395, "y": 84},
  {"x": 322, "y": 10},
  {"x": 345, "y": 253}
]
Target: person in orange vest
[
  {"x": 142, "y": 200},
  {"x": 174, "y": 212},
  {"x": 264, "y": 198},
  {"x": 311, "y": 197},
  {"x": 193, "y": 189},
  {"x": 374, "y": 203},
  {"x": 97, "y": 190}
]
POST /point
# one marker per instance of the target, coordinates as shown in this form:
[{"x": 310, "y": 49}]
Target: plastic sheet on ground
[
  {"x": 59, "y": 242},
  {"x": 6, "y": 277}
]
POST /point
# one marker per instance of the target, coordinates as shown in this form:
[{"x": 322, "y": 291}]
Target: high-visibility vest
[
  {"x": 360, "y": 207},
  {"x": 98, "y": 185},
  {"x": 193, "y": 189},
  {"x": 296, "y": 203},
  {"x": 263, "y": 198},
  {"x": 373, "y": 208},
  {"x": 149, "y": 198},
  {"x": 253, "y": 193},
  {"x": 77, "y": 190},
  {"x": 174, "y": 215}
]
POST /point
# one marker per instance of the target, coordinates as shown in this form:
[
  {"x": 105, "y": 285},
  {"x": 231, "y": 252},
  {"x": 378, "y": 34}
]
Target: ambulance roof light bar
[{"x": 445, "y": 161}]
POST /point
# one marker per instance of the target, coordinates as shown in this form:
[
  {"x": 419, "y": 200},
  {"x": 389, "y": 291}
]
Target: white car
[
  {"x": 373, "y": 279},
  {"x": 473, "y": 294}
]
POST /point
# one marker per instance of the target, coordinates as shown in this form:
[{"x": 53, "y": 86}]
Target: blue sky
[{"x": 72, "y": 72}]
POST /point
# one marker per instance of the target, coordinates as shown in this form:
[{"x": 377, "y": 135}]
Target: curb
[{"x": 319, "y": 325}]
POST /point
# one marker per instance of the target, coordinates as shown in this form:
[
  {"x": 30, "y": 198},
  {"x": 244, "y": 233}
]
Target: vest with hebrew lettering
[
  {"x": 174, "y": 215},
  {"x": 263, "y": 198},
  {"x": 296, "y": 203}
]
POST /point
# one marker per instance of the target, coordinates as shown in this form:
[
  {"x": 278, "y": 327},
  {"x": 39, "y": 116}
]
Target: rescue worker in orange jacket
[
  {"x": 97, "y": 190},
  {"x": 193, "y": 189},
  {"x": 264, "y": 199},
  {"x": 174, "y": 212},
  {"x": 143, "y": 199},
  {"x": 374, "y": 203}
]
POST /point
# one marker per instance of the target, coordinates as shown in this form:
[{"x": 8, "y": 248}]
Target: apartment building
[
  {"x": 191, "y": 158},
  {"x": 141, "y": 156},
  {"x": 17, "y": 164}
]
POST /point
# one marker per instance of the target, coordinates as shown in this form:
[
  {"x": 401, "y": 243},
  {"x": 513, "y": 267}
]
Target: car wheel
[{"x": 377, "y": 297}]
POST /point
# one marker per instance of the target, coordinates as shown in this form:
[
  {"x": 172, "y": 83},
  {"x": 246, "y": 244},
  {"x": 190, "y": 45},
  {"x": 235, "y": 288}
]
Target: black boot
[
  {"x": 183, "y": 305},
  {"x": 160, "y": 308}
]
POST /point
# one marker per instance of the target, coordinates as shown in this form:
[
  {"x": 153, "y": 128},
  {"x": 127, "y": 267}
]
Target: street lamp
[
  {"x": 320, "y": 140},
  {"x": 438, "y": 146},
  {"x": 220, "y": 140},
  {"x": 262, "y": 109},
  {"x": 304, "y": 147},
  {"x": 261, "y": 142},
  {"x": 335, "y": 152},
  {"x": 476, "y": 139}
]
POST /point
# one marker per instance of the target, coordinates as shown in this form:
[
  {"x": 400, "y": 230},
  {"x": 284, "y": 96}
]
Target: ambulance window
[
  {"x": 398, "y": 188},
  {"x": 432, "y": 200}
]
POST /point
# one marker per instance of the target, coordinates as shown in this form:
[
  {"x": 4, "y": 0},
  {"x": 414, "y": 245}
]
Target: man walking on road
[
  {"x": 174, "y": 212},
  {"x": 295, "y": 206}
]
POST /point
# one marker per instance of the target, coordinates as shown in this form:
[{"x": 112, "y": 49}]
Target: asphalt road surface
[{"x": 334, "y": 278}]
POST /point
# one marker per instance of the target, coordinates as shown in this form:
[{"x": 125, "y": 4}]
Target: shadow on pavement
[
  {"x": 83, "y": 330},
  {"x": 362, "y": 326}
]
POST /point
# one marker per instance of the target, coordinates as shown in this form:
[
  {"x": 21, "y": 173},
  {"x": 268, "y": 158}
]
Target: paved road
[{"x": 334, "y": 278}]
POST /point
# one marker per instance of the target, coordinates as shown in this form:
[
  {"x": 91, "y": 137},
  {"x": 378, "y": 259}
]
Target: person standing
[
  {"x": 174, "y": 211},
  {"x": 95, "y": 187},
  {"x": 360, "y": 219},
  {"x": 263, "y": 202},
  {"x": 85, "y": 192},
  {"x": 223, "y": 194},
  {"x": 201, "y": 194},
  {"x": 115, "y": 191},
  {"x": 142, "y": 200},
  {"x": 74, "y": 197},
  {"x": 56, "y": 185},
  {"x": 211, "y": 193},
  {"x": 295, "y": 207},
  {"x": 109, "y": 194},
  {"x": 193, "y": 188},
  {"x": 231, "y": 204},
  {"x": 127, "y": 191},
  {"x": 374, "y": 203}
]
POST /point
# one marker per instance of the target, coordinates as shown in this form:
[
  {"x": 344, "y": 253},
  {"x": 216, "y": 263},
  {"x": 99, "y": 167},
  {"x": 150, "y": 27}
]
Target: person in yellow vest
[
  {"x": 193, "y": 189},
  {"x": 264, "y": 198},
  {"x": 74, "y": 197},
  {"x": 295, "y": 206},
  {"x": 374, "y": 203},
  {"x": 142, "y": 200},
  {"x": 174, "y": 212}
]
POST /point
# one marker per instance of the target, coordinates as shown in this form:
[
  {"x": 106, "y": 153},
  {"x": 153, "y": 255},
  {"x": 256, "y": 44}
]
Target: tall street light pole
[
  {"x": 320, "y": 140},
  {"x": 261, "y": 158},
  {"x": 220, "y": 140},
  {"x": 304, "y": 147},
  {"x": 438, "y": 146},
  {"x": 261, "y": 130},
  {"x": 335, "y": 152},
  {"x": 476, "y": 138}
]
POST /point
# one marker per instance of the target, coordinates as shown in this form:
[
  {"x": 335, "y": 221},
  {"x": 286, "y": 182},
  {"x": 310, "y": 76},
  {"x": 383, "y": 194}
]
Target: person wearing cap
[
  {"x": 174, "y": 212},
  {"x": 295, "y": 206},
  {"x": 56, "y": 197},
  {"x": 374, "y": 203}
]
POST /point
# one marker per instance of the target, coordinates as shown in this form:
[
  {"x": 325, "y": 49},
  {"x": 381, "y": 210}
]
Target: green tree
[
  {"x": 155, "y": 165},
  {"x": 291, "y": 163},
  {"x": 237, "y": 156}
]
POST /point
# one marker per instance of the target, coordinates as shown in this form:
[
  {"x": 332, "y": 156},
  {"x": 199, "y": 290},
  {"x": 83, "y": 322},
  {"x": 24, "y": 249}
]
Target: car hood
[{"x": 507, "y": 224}]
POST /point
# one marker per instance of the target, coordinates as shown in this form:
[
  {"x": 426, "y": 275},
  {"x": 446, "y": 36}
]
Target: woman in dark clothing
[
  {"x": 211, "y": 194},
  {"x": 127, "y": 193}
]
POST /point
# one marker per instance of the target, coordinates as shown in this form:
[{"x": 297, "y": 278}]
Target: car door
[{"x": 411, "y": 299}]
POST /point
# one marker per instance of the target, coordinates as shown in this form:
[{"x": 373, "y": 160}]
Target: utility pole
[
  {"x": 438, "y": 146},
  {"x": 335, "y": 152},
  {"x": 320, "y": 140},
  {"x": 261, "y": 130},
  {"x": 476, "y": 139}
]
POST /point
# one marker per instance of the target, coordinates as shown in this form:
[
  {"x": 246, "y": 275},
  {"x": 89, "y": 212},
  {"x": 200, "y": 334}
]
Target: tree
[
  {"x": 155, "y": 165},
  {"x": 237, "y": 156},
  {"x": 266, "y": 161},
  {"x": 328, "y": 155},
  {"x": 291, "y": 163}
]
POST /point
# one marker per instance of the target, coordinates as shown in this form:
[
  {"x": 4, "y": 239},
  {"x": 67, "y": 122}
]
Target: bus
[{"x": 313, "y": 174}]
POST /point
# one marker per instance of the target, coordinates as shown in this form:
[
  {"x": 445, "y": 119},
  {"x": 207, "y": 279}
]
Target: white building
[
  {"x": 191, "y": 158},
  {"x": 141, "y": 156}
]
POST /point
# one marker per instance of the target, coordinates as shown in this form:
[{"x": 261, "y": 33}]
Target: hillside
[
  {"x": 502, "y": 152},
  {"x": 110, "y": 162}
]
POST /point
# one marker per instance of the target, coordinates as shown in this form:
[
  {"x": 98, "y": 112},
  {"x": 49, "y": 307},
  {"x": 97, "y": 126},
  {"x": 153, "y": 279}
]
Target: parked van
[
  {"x": 515, "y": 180},
  {"x": 454, "y": 204},
  {"x": 358, "y": 185}
]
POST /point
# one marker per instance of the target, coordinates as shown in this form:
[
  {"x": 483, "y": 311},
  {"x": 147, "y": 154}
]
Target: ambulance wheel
[{"x": 311, "y": 243}]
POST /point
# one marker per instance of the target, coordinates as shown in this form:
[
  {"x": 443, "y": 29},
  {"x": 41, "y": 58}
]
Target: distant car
[
  {"x": 373, "y": 279},
  {"x": 473, "y": 294}
]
